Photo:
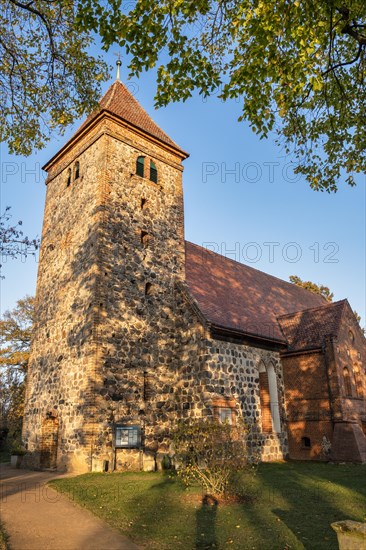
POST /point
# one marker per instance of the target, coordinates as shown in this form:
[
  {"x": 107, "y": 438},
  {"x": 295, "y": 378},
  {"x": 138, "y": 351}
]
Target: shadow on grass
[
  {"x": 291, "y": 506},
  {"x": 206, "y": 524},
  {"x": 307, "y": 498},
  {"x": 157, "y": 512},
  {"x": 163, "y": 516}
]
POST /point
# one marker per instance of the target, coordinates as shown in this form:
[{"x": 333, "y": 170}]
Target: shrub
[
  {"x": 211, "y": 453},
  {"x": 17, "y": 449}
]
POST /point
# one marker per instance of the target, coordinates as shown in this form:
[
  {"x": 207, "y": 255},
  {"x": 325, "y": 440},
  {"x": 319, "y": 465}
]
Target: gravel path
[{"x": 36, "y": 517}]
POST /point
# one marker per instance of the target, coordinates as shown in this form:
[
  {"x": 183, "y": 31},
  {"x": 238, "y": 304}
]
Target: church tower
[{"x": 102, "y": 367}]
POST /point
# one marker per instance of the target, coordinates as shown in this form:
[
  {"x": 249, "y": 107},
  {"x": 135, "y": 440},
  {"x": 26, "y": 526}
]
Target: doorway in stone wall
[{"x": 49, "y": 443}]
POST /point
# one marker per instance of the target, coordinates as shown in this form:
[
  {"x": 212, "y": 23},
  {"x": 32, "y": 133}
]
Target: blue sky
[{"x": 241, "y": 197}]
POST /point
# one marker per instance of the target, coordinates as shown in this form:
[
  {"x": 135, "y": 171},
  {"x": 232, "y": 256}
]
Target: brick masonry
[{"x": 319, "y": 406}]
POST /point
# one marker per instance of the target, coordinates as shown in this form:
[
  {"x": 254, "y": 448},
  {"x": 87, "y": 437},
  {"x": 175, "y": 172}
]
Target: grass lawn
[{"x": 292, "y": 506}]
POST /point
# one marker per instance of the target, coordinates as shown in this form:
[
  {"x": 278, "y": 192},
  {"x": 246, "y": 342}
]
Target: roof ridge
[
  {"x": 114, "y": 86},
  {"x": 246, "y": 300},
  {"x": 328, "y": 304},
  {"x": 254, "y": 269},
  {"x": 119, "y": 102}
]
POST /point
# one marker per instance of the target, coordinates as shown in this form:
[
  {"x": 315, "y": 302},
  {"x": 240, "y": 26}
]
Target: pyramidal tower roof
[{"x": 118, "y": 101}]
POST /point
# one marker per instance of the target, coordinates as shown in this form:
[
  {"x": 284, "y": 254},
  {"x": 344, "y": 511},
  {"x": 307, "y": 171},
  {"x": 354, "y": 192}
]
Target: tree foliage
[
  {"x": 319, "y": 289},
  {"x": 297, "y": 67},
  {"x": 211, "y": 453},
  {"x": 313, "y": 287},
  {"x": 47, "y": 76},
  {"x": 15, "y": 339}
]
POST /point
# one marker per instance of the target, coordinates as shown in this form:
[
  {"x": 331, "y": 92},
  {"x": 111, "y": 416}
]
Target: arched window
[
  {"x": 77, "y": 170},
  {"x": 268, "y": 392},
  {"x": 140, "y": 166},
  {"x": 347, "y": 382},
  {"x": 305, "y": 442},
  {"x": 68, "y": 177},
  {"x": 153, "y": 172}
]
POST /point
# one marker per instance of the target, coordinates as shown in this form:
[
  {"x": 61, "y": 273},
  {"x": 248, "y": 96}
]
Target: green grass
[{"x": 292, "y": 507}]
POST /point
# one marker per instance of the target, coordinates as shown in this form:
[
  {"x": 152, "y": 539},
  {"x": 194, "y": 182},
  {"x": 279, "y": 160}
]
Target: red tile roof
[
  {"x": 307, "y": 329},
  {"x": 240, "y": 298},
  {"x": 119, "y": 101}
]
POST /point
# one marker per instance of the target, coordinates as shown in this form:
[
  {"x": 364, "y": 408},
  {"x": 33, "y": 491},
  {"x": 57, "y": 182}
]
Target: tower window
[
  {"x": 148, "y": 386},
  {"x": 153, "y": 172},
  {"x": 68, "y": 177},
  {"x": 77, "y": 170},
  {"x": 143, "y": 203},
  {"x": 305, "y": 442},
  {"x": 140, "y": 166},
  {"x": 145, "y": 238}
]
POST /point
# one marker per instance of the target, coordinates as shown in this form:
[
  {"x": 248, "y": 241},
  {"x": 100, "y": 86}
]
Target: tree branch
[
  {"x": 29, "y": 8},
  {"x": 333, "y": 67},
  {"x": 349, "y": 28}
]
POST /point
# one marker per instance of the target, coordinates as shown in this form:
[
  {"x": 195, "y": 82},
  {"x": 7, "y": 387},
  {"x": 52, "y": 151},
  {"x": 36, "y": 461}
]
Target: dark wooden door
[{"x": 49, "y": 443}]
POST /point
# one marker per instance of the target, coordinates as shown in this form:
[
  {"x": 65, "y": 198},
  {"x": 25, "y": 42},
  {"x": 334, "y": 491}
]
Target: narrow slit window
[
  {"x": 148, "y": 386},
  {"x": 77, "y": 170},
  {"x": 68, "y": 183},
  {"x": 143, "y": 203},
  {"x": 140, "y": 166},
  {"x": 153, "y": 172},
  {"x": 149, "y": 290}
]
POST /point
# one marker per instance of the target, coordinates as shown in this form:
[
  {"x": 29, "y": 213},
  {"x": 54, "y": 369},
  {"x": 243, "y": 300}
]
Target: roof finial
[{"x": 118, "y": 63}]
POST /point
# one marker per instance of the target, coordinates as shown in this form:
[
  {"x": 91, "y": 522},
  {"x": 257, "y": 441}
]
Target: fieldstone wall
[
  {"x": 231, "y": 371},
  {"x": 105, "y": 294},
  {"x": 62, "y": 362}
]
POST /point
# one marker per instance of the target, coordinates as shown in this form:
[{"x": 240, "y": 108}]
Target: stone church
[{"x": 136, "y": 328}]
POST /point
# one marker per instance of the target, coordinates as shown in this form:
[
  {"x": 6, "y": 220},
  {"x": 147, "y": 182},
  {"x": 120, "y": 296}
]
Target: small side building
[{"x": 325, "y": 383}]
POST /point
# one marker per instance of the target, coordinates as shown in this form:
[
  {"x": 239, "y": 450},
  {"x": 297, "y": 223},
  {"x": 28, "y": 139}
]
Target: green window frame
[
  {"x": 140, "y": 164},
  {"x": 153, "y": 172}
]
